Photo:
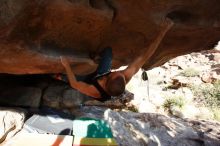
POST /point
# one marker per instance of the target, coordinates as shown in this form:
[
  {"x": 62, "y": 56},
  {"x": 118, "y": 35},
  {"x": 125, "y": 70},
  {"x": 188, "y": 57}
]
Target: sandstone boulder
[{"x": 33, "y": 34}]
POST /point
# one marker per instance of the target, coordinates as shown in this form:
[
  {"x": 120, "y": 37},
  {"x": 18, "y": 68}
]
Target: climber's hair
[{"x": 115, "y": 84}]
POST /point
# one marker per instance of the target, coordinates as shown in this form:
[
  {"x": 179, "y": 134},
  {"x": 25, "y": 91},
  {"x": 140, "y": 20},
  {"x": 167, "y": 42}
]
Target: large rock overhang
[{"x": 34, "y": 34}]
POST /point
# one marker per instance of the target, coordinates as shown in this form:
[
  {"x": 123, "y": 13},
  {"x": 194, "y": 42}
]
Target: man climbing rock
[{"x": 103, "y": 84}]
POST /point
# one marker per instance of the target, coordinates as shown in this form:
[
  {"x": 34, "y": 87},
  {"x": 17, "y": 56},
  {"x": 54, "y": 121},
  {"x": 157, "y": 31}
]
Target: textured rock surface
[
  {"x": 152, "y": 129},
  {"x": 33, "y": 34},
  {"x": 11, "y": 122},
  {"x": 20, "y": 96},
  {"x": 131, "y": 129}
]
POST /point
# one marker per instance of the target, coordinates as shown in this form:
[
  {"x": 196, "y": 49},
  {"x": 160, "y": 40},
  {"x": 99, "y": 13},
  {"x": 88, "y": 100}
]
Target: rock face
[
  {"x": 152, "y": 129},
  {"x": 130, "y": 129},
  {"x": 11, "y": 122},
  {"x": 33, "y": 34}
]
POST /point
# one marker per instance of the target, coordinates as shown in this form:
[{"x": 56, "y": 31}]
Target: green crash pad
[{"x": 90, "y": 131}]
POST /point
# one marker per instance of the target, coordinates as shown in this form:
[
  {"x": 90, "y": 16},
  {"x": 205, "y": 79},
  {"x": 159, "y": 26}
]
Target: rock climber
[{"x": 104, "y": 83}]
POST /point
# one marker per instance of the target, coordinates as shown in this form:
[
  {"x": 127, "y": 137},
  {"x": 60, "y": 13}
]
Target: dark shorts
[
  {"x": 103, "y": 68},
  {"x": 105, "y": 63}
]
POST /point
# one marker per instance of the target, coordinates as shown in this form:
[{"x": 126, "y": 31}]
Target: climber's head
[{"x": 115, "y": 84}]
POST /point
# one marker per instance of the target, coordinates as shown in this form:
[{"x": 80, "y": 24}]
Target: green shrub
[
  {"x": 132, "y": 108},
  {"x": 190, "y": 72},
  {"x": 217, "y": 89},
  {"x": 216, "y": 112},
  {"x": 178, "y": 101},
  {"x": 210, "y": 93}
]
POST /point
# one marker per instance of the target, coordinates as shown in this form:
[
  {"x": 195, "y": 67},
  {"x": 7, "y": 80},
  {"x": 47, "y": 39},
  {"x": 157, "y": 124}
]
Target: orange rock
[{"x": 34, "y": 34}]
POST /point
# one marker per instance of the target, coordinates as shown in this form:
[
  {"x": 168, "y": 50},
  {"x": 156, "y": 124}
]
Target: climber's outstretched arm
[
  {"x": 147, "y": 52},
  {"x": 84, "y": 88}
]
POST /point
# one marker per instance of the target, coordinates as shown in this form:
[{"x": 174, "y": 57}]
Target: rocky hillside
[{"x": 187, "y": 86}]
